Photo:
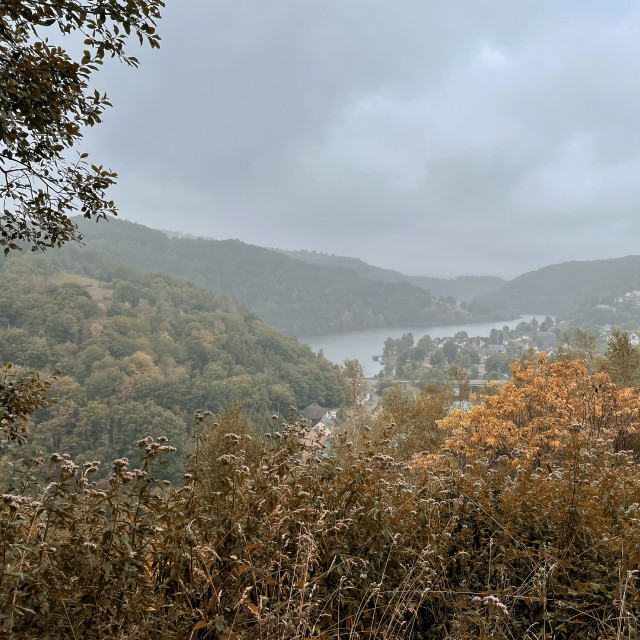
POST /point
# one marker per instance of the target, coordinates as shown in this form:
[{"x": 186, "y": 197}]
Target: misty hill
[
  {"x": 461, "y": 288},
  {"x": 561, "y": 288},
  {"x": 291, "y": 295},
  {"x": 140, "y": 353}
]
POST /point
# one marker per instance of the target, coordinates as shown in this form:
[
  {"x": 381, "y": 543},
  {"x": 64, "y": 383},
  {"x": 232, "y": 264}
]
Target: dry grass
[
  {"x": 74, "y": 278},
  {"x": 262, "y": 542}
]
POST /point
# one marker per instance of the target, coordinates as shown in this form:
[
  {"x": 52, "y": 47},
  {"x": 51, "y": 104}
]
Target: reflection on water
[{"x": 367, "y": 343}]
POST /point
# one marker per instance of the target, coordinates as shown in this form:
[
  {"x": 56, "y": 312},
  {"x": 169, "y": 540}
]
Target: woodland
[
  {"x": 569, "y": 289},
  {"x": 462, "y": 288},
  {"x": 136, "y": 350},
  {"x": 158, "y": 481},
  {"x": 293, "y": 296}
]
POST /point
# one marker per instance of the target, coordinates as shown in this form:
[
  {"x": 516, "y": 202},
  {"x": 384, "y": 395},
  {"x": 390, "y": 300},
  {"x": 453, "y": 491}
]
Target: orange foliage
[{"x": 549, "y": 409}]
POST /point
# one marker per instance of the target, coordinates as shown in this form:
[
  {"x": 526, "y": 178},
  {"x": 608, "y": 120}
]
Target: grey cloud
[{"x": 467, "y": 136}]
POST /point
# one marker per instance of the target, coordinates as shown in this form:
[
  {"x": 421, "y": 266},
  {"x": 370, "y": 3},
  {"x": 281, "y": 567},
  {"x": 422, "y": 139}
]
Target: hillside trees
[
  {"x": 499, "y": 364},
  {"x": 569, "y": 288},
  {"x": 355, "y": 383},
  {"x": 621, "y": 359},
  {"x": 46, "y": 102},
  {"x": 290, "y": 295},
  {"x": 582, "y": 345},
  {"x": 144, "y": 365}
]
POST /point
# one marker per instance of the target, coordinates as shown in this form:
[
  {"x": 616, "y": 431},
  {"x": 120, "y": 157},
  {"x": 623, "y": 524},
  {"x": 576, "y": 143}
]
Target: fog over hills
[
  {"x": 561, "y": 288},
  {"x": 305, "y": 292},
  {"x": 291, "y": 295},
  {"x": 461, "y": 288}
]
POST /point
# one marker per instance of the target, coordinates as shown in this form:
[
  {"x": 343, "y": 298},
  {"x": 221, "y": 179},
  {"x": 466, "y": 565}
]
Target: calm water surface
[{"x": 366, "y": 343}]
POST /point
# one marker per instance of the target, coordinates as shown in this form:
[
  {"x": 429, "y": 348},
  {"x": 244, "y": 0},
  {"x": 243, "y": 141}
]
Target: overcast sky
[{"x": 436, "y": 138}]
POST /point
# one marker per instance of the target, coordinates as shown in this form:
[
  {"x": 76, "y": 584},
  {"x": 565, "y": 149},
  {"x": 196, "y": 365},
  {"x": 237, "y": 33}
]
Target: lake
[{"x": 366, "y": 343}]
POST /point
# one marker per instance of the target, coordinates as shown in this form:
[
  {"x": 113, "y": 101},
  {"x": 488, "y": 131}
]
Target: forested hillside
[
  {"x": 140, "y": 353},
  {"x": 290, "y": 295},
  {"x": 560, "y": 289},
  {"x": 461, "y": 288},
  {"x": 161, "y": 475}
]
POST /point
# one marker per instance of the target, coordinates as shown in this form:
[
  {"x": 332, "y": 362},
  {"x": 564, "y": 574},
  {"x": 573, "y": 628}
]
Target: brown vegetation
[{"x": 525, "y": 525}]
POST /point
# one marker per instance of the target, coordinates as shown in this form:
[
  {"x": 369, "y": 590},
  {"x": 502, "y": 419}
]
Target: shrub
[{"x": 524, "y": 525}]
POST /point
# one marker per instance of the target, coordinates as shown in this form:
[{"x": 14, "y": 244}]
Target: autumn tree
[
  {"x": 355, "y": 384},
  {"x": 45, "y": 105},
  {"x": 542, "y": 414},
  {"x": 414, "y": 419},
  {"x": 581, "y": 345},
  {"x": 621, "y": 359}
]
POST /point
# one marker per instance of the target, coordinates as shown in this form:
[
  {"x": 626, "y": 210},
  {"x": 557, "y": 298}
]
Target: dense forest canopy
[
  {"x": 461, "y": 288},
  {"x": 139, "y": 353},
  {"x": 290, "y": 295},
  {"x": 562, "y": 288}
]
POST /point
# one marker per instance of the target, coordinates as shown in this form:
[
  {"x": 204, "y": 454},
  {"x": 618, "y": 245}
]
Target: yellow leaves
[{"x": 535, "y": 416}]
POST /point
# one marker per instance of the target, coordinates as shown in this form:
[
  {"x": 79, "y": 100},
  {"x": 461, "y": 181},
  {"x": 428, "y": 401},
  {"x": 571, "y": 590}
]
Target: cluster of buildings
[
  {"x": 317, "y": 416},
  {"x": 540, "y": 341},
  {"x": 320, "y": 422},
  {"x": 634, "y": 336},
  {"x": 631, "y": 297}
]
